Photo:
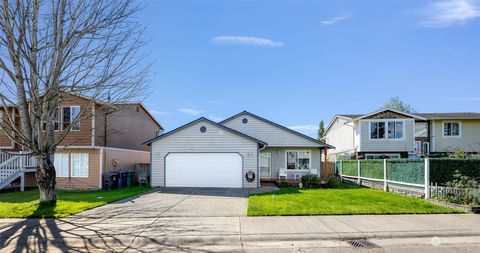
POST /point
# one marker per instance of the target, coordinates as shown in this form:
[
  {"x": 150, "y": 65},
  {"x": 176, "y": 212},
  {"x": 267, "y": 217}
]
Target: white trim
[
  {"x": 99, "y": 147},
  {"x": 432, "y": 123},
  {"x": 392, "y": 110},
  {"x": 419, "y": 150},
  {"x": 298, "y": 150},
  {"x": 386, "y": 121},
  {"x": 71, "y": 118},
  {"x": 270, "y": 165},
  {"x": 380, "y": 154},
  {"x": 93, "y": 124},
  {"x": 101, "y": 169},
  {"x": 459, "y": 122},
  {"x": 332, "y": 121},
  {"x": 71, "y": 165}
]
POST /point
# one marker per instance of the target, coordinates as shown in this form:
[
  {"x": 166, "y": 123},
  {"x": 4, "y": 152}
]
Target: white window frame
[
  {"x": 298, "y": 150},
  {"x": 59, "y": 114},
  {"x": 415, "y": 129},
  {"x": 459, "y": 129},
  {"x": 71, "y": 117},
  {"x": 386, "y": 121},
  {"x": 57, "y": 157},
  {"x": 72, "y": 166},
  {"x": 426, "y": 144}
]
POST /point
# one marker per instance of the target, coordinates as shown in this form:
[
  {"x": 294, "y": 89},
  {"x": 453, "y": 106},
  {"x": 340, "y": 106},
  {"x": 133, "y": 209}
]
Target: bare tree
[{"x": 48, "y": 48}]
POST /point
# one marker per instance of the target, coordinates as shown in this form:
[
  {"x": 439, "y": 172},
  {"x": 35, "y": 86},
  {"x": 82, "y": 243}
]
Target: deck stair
[{"x": 13, "y": 166}]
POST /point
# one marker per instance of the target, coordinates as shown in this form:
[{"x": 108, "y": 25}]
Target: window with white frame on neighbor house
[
  {"x": 451, "y": 129},
  {"x": 298, "y": 160},
  {"x": 56, "y": 121},
  {"x": 386, "y": 130},
  {"x": 61, "y": 163},
  {"x": 421, "y": 129},
  {"x": 70, "y": 115},
  {"x": 79, "y": 164}
]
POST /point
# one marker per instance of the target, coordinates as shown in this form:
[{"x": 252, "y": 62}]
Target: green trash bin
[{"x": 130, "y": 177}]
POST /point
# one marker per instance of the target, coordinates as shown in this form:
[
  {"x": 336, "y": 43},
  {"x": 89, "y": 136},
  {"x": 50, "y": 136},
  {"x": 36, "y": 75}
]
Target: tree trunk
[{"x": 46, "y": 178}]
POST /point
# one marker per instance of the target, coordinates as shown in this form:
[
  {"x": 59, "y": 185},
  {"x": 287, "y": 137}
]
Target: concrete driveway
[{"x": 177, "y": 202}]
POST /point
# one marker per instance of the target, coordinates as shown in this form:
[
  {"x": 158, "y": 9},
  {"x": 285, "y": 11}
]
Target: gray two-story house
[{"x": 393, "y": 134}]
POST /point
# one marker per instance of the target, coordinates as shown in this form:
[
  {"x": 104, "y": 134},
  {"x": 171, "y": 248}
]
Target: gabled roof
[
  {"x": 146, "y": 110},
  {"x": 279, "y": 126},
  {"x": 345, "y": 116},
  {"x": 208, "y": 121},
  {"x": 391, "y": 110}
]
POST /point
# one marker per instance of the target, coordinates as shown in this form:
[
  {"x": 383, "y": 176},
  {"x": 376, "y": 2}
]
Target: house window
[
  {"x": 56, "y": 123},
  {"x": 451, "y": 129},
  {"x": 421, "y": 129},
  {"x": 394, "y": 130},
  {"x": 70, "y": 115},
  {"x": 298, "y": 160},
  {"x": 61, "y": 164},
  {"x": 377, "y": 130},
  {"x": 79, "y": 165}
]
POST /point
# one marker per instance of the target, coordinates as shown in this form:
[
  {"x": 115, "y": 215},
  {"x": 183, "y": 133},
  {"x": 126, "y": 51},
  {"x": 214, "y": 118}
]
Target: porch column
[{"x": 324, "y": 169}]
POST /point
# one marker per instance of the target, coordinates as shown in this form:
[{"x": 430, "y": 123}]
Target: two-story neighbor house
[
  {"x": 108, "y": 139},
  {"x": 392, "y": 134}
]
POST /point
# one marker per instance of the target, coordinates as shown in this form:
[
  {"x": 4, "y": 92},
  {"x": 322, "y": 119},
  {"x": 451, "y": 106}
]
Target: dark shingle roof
[
  {"x": 450, "y": 115},
  {"x": 431, "y": 116}
]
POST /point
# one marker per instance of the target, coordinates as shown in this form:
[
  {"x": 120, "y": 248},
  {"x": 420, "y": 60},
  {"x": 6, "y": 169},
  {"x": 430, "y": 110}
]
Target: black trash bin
[
  {"x": 122, "y": 179},
  {"x": 110, "y": 180},
  {"x": 130, "y": 177}
]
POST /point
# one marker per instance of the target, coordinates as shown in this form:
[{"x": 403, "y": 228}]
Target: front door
[
  {"x": 418, "y": 147},
  {"x": 265, "y": 165}
]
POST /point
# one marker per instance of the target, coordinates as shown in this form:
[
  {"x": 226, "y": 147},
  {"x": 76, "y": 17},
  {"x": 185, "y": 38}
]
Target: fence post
[
  {"x": 427, "y": 178},
  {"x": 341, "y": 171},
  {"x": 384, "y": 174},
  {"x": 358, "y": 175}
]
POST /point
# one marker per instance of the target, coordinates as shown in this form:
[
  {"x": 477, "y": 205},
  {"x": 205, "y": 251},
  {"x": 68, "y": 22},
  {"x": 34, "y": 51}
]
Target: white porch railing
[{"x": 13, "y": 166}]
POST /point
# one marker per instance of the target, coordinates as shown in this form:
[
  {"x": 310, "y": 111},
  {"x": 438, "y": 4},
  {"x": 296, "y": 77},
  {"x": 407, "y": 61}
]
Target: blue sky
[{"x": 297, "y": 62}]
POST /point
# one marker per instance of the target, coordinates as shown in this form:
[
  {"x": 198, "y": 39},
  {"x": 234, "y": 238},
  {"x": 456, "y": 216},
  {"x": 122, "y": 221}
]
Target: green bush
[
  {"x": 442, "y": 170},
  {"x": 333, "y": 182},
  {"x": 311, "y": 181},
  {"x": 467, "y": 192}
]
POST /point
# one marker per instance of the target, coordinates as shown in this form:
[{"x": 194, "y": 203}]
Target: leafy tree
[
  {"x": 396, "y": 103},
  {"x": 321, "y": 129}
]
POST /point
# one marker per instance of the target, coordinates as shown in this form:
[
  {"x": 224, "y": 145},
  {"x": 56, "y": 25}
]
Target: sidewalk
[{"x": 222, "y": 233}]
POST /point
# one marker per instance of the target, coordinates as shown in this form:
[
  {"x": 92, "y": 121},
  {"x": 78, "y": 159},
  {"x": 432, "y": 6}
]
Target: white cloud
[
  {"x": 304, "y": 127},
  {"x": 464, "y": 99},
  {"x": 246, "y": 41},
  {"x": 451, "y": 12},
  {"x": 334, "y": 20},
  {"x": 155, "y": 112},
  {"x": 191, "y": 111}
]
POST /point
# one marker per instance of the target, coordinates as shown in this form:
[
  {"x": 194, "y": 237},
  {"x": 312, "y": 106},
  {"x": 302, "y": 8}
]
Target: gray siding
[
  {"x": 214, "y": 139},
  {"x": 278, "y": 161},
  {"x": 273, "y": 135},
  {"x": 367, "y": 145}
]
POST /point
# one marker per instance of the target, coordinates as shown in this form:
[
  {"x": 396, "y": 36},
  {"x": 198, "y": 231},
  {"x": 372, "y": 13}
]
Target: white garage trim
[{"x": 204, "y": 169}]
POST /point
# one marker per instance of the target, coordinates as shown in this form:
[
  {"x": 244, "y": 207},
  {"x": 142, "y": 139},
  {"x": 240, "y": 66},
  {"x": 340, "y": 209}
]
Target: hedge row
[
  {"x": 407, "y": 171},
  {"x": 442, "y": 169}
]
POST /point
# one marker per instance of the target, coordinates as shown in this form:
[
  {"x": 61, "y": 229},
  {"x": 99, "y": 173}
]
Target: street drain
[{"x": 362, "y": 244}]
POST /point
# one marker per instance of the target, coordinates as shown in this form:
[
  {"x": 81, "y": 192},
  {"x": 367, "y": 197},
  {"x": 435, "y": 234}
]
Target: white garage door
[{"x": 203, "y": 170}]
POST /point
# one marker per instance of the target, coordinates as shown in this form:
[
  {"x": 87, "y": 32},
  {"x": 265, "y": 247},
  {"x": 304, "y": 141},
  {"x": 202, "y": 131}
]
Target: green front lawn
[
  {"x": 348, "y": 199},
  {"x": 25, "y": 204}
]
